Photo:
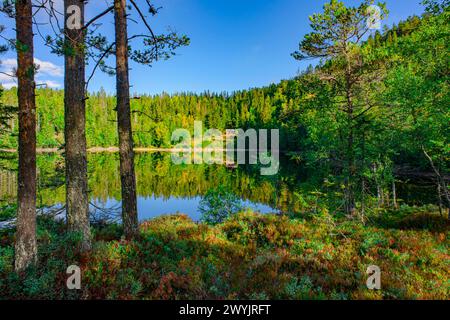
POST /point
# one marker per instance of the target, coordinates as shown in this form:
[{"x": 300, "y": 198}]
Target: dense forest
[
  {"x": 404, "y": 124},
  {"x": 370, "y": 115},
  {"x": 303, "y": 108}
]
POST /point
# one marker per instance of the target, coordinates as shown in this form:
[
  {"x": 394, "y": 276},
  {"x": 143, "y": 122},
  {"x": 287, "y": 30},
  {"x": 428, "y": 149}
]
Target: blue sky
[{"x": 235, "y": 44}]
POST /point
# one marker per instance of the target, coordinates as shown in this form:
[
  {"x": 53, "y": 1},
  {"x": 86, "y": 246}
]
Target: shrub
[{"x": 219, "y": 204}]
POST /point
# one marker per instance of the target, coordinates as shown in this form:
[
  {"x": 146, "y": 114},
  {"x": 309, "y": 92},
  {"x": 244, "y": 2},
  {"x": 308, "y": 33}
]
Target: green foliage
[
  {"x": 7, "y": 212},
  {"x": 218, "y": 204},
  {"x": 398, "y": 114},
  {"x": 248, "y": 256},
  {"x": 336, "y": 29},
  {"x": 47, "y": 279},
  {"x": 6, "y": 116},
  {"x": 436, "y": 6},
  {"x": 398, "y": 118},
  {"x": 161, "y": 47}
]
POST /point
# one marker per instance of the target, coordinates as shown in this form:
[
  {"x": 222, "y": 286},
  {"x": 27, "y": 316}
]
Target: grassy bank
[{"x": 249, "y": 256}]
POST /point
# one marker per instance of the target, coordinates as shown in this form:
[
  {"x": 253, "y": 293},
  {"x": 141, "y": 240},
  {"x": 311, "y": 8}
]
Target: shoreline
[
  {"x": 93, "y": 150},
  {"x": 116, "y": 149}
]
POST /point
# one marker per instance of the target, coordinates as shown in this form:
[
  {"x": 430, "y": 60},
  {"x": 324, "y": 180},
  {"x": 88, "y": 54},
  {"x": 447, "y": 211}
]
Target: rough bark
[
  {"x": 127, "y": 174},
  {"x": 25, "y": 246},
  {"x": 77, "y": 200}
]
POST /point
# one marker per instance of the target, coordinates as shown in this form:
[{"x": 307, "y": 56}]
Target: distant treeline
[
  {"x": 409, "y": 112},
  {"x": 156, "y": 117}
]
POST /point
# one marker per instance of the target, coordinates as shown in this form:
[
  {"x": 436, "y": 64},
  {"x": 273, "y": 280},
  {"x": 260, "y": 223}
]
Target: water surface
[{"x": 166, "y": 188}]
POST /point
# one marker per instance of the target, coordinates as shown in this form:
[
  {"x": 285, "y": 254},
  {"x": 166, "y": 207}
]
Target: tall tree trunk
[
  {"x": 25, "y": 246},
  {"x": 127, "y": 174},
  {"x": 77, "y": 200}
]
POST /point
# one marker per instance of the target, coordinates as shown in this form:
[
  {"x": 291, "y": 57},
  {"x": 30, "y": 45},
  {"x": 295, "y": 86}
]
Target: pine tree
[
  {"x": 127, "y": 174},
  {"x": 77, "y": 198},
  {"x": 337, "y": 36},
  {"x": 26, "y": 247}
]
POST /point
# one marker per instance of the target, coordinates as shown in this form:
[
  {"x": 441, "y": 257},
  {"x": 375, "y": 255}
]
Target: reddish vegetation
[{"x": 248, "y": 256}]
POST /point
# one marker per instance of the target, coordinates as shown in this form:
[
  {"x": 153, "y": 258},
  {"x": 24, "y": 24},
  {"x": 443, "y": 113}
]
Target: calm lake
[{"x": 166, "y": 188}]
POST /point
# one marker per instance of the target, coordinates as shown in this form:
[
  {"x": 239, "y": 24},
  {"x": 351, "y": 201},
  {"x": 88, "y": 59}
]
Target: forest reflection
[{"x": 162, "y": 185}]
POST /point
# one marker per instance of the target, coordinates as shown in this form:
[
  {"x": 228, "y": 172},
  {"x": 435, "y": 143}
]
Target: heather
[{"x": 247, "y": 256}]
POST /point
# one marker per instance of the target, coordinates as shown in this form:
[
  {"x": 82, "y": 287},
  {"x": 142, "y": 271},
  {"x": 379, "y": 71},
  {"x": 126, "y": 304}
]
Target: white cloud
[
  {"x": 45, "y": 67},
  {"x": 48, "y": 68},
  {"x": 50, "y": 84},
  {"x": 7, "y": 82},
  {"x": 5, "y": 77},
  {"x": 8, "y": 85},
  {"x": 44, "y": 83},
  {"x": 9, "y": 63}
]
